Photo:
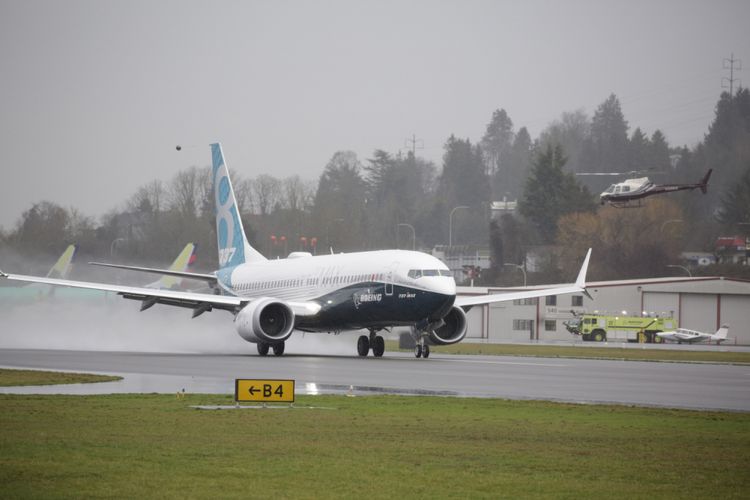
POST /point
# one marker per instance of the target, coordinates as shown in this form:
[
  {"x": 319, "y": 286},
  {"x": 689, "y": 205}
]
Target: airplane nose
[{"x": 441, "y": 285}]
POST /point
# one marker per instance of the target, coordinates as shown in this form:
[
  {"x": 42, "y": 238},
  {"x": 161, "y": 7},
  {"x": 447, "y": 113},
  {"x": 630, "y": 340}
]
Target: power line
[
  {"x": 729, "y": 64},
  {"x": 415, "y": 144}
]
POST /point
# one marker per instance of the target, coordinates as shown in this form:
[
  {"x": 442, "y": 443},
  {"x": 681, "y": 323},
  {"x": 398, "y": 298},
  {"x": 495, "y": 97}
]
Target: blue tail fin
[{"x": 234, "y": 248}]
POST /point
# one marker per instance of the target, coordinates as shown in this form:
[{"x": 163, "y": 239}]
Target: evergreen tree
[
  {"x": 464, "y": 183},
  {"x": 497, "y": 144},
  {"x": 571, "y": 132},
  {"x": 340, "y": 204},
  {"x": 551, "y": 193},
  {"x": 639, "y": 151},
  {"x": 606, "y": 149},
  {"x": 735, "y": 202}
]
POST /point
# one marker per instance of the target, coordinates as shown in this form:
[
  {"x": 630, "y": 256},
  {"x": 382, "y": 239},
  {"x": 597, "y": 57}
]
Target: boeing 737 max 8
[{"x": 270, "y": 299}]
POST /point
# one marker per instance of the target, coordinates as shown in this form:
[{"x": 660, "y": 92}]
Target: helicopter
[{"x": 630, "y": 193}]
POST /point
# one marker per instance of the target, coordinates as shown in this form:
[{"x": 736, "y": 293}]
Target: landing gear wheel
[
  {"x": 363, "y": 345},
  {"x": 418, "y": 351},
  {"x": 378, "y": 346},
  {"x": 262, "y": 348},
  {"x": 278, "y": 349},
  {"x": 426, "y": 351}
]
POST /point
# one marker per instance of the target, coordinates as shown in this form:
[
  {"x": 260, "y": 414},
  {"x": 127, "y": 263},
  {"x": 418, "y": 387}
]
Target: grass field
[
  {"x": 630, "y": 354},
  {"x": 9, "y": 378},
  {"x": 376, "y": 447}
]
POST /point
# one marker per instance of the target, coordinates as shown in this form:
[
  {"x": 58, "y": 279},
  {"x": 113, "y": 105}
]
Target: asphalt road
[{"x": 675, "y": 385}]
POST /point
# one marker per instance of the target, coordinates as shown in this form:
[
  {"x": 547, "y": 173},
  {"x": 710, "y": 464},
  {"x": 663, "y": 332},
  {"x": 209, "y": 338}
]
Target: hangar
[{"x": 698, "y": 303}]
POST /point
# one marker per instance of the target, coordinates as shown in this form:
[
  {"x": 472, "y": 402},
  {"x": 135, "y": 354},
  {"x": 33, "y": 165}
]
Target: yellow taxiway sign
[{"x": 267, "y": 391}]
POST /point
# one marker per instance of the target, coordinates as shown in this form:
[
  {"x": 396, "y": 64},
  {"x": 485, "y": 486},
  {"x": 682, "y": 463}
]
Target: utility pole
[
  {"x": 730, "y": 65},
  {"x": 415, "y": 144}
]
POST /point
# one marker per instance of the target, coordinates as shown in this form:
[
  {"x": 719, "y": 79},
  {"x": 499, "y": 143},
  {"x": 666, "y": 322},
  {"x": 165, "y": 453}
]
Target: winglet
[
  {"x": 581, "y": 279},
  {"x": 3, "y": 275}
]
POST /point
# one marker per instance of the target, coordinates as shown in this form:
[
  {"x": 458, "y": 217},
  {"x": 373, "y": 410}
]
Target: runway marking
[{"x": 487, "y": 362}]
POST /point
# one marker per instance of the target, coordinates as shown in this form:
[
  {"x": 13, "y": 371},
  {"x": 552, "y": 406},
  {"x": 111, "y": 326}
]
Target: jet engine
[
  {"x": 452, "y": 331},
  {"x": 265, "y": 320}
]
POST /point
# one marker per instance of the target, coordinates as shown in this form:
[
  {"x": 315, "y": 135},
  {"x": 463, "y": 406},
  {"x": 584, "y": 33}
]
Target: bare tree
[{"x": 267, "y": 192}]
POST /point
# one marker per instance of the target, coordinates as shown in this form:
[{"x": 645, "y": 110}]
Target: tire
[
  {"x": 378, "y": 346},
  {"x": 598, "y": 336},
  {"x": 657, "y": 339},
  {"x": 417, "y": 351},
  {"x": 278, "y": 349},
  {"x": 262, "y": 348},
  {"x": 363, "y": 345},
  {"x": 426, "y": 351}
]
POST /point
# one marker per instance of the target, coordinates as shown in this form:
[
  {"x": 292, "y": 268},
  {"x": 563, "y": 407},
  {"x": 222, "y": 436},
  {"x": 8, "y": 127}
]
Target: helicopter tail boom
[{"x": 704, "y": 183}]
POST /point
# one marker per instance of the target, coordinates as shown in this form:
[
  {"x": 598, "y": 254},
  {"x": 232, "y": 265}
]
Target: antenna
[{"x": 730, "y": 65}]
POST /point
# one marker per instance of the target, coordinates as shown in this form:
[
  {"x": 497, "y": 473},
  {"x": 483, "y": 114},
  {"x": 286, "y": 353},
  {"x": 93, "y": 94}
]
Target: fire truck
[{"x": 601, "y": 328}]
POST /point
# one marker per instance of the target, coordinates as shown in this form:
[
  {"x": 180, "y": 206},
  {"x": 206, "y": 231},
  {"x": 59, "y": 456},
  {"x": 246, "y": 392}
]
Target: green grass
[
  {"x": 155, "y": 446},
  {"x": 631, "y": 354},
  {"x": 9, "y": 378}
]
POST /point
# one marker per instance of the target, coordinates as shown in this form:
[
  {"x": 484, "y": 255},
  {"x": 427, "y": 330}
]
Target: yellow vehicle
[{"x": 600, "y": 328}]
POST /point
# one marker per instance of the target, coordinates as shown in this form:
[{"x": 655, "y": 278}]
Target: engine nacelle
[
  {"x": 265, "y": 320},
  {"x": 454, "y": 329}
]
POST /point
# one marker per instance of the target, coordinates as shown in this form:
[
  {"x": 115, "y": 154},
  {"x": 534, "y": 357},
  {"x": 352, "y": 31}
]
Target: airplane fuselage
[{"x": 374, "y": 289}]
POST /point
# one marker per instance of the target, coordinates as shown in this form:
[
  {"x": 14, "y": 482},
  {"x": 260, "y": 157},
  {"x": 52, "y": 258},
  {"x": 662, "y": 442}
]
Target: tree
[
  {"x": 266, "y": 192},
  {"x": 340, "y": 203},
  {"x": 496, "y": 147},
  {"x": 551, "y": 193},
  {"x": 658, "y": 158},
  {"x": 606, "y": 149},
  {"x": 463, "y": 183},
  {"x": 571, "y": 132},
  {"x": 735, "y": 202},
  {"x": 639, "y": 151},
  {"x": 520, "y": 161},
  {"x": 624, "y": 246}
]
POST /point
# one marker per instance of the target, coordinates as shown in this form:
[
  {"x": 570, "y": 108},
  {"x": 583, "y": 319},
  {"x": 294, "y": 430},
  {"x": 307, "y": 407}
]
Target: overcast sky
[{"x": 96, "y": 94}]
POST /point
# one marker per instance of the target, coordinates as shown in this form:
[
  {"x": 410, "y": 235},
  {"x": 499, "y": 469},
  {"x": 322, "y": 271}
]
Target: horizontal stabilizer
[{"x": 209, "y": 278}]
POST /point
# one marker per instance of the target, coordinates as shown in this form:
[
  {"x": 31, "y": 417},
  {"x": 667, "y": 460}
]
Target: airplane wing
[
  {"x": 578, "y": 287},
  {"x": 198, "y": 302}
]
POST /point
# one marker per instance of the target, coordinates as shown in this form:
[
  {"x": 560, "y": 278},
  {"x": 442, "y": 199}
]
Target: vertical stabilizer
[
  {"x": 234, "y": 248},
  {"x": 721, "y": 333},
  {"x": 181, "y": 263},
  {"x": 62, "y": 267}
]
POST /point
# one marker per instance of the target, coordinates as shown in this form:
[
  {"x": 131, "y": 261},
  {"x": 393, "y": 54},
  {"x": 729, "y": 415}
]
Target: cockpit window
[
  {"x": 418, "y": 273},
  {"x": 610, "y": 189}
]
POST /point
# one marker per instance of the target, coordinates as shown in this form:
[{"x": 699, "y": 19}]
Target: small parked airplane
[
  {"x": 270, "y": 299},
  {"x": 692, "y": 336}
]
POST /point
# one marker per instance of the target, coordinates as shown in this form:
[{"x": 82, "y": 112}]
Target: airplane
[
  {"x": 32, "y": 292},
  {"x": 692, "y": 336},
  {"x": 168, "y": 282},
  {"x": 369, "y": 290},
  {"x": 621, "y": 194}
]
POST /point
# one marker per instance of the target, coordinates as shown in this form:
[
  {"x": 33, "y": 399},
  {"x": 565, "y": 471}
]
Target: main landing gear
[
  {"x": 263, "y": 347},
  {"x": 374, "y": 341}
]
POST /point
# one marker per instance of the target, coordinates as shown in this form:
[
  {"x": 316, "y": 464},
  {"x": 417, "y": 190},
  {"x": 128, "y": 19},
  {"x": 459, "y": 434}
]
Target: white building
[{"x": 700, "y": 303}]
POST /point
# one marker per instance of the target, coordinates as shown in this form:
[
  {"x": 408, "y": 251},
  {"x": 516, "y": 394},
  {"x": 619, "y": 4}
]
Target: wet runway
[{"x": 675, "y": 385}]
